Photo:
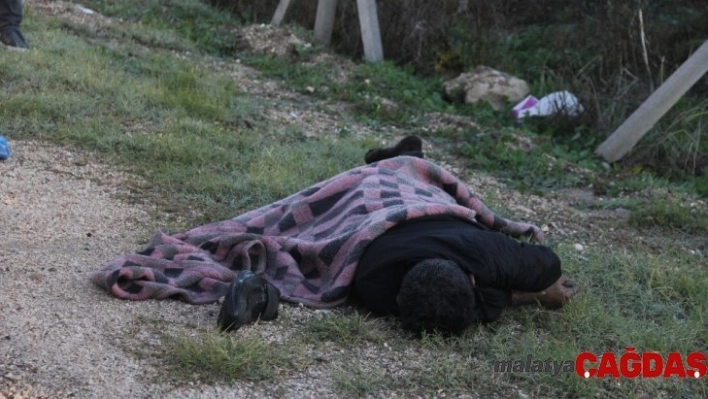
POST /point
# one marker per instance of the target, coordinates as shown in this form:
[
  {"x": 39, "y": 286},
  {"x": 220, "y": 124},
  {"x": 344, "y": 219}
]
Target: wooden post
[
  {"x": 280, "y": 12},
  {"x": 324, "y": 22},
  {"x": 370, "y": 34},
  {"x": 644, "y": 118}
]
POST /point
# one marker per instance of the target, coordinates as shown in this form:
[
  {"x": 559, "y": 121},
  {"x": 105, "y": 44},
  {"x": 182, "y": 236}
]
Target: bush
[{"x": 517, "y": 34}]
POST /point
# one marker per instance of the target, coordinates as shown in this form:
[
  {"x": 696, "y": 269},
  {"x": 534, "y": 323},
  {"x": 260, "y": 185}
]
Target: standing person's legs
[
  {"x": 10, "y": 14},
  {"x": 10, "y": 20}
]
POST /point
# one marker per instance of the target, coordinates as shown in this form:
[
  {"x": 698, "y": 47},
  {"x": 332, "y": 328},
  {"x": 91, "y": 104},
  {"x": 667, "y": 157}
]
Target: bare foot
[{"x": 559, "y": 293}]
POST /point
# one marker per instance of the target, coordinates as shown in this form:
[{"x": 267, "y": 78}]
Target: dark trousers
[{"x": 10, "y": 13}]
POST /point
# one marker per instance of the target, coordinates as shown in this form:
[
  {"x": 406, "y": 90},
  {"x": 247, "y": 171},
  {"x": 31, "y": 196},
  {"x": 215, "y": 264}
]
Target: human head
[{"x": 436, "y": 295}]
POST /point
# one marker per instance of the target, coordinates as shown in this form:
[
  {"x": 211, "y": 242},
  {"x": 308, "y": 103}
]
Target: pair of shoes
[
  {"x": 250, "y": 298},
  {"x": 13, "y": 37},
  {"x": 411, "y": 145}
]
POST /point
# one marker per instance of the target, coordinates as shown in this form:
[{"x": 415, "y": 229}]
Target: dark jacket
[{"x": 498, "y": 263}]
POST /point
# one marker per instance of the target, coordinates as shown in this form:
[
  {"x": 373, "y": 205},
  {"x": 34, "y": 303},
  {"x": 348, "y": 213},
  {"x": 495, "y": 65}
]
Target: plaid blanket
[{"x": 308, "y": 244}]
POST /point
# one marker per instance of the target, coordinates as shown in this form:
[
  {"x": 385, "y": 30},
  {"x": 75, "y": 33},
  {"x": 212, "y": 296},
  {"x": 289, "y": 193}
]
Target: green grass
[
  {"x": 216, "y": 357},
  {"x": 669, "y": 215},
  {"x": 189, "y": 131},
  {"x": 193, "y": 22},
  {"x": 348, "y": 330},
  {"x": 147, "y": 95},
  {"x": 536, "y": 167},
  {"x": 370, "y": 84}
]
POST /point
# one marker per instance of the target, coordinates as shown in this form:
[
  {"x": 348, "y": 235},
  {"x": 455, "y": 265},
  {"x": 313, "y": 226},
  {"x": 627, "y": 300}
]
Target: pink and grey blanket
[{"x": 308, "y": 244}]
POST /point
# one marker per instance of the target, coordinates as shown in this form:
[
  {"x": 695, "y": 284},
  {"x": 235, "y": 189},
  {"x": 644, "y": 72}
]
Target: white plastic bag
[{"x": 558, "y": 102}]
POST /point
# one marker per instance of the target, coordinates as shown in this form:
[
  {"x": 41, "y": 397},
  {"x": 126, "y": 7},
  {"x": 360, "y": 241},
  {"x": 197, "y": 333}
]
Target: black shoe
[
  {"x": 411, "y": 145},
  {"x": 13, "y": 37},
  {"x": 250, "y": 298}
]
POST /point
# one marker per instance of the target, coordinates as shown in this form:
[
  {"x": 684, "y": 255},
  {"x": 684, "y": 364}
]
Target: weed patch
[
  {"x": 669, "y": 215},
  {"x": 526, "y": 163},
  {"x": 205, "y": 27},
  {"x": 379, "y": 91},
  {"x": 344, "y": 330},
  {"x": 216, "y": 356}
]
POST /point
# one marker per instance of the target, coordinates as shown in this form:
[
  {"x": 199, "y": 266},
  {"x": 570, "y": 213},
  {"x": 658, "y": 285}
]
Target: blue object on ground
[{"x": 4, "y": 149}]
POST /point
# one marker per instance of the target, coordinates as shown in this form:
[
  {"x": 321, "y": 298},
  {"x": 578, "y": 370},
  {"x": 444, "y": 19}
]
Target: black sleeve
[
  {"x": 490, "y": 303},
  {"x": 521, "y": 266}
]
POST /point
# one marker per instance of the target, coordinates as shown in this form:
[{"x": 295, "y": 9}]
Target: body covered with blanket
[{"x": 307, "y": 245}]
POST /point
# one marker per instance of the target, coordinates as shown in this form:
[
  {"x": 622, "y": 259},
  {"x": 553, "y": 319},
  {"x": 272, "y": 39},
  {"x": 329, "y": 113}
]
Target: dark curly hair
[{"x": 436, "y": 295}]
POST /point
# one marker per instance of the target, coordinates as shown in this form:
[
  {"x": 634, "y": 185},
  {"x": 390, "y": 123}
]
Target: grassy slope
[{"x": 138, "y": 94}]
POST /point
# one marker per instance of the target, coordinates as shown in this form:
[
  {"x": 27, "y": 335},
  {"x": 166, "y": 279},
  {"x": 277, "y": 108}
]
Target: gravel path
[
  {"x": 59, "y": 335},
  {"x": 60, "y": 220},
  {"x": 62, "y": 337}
]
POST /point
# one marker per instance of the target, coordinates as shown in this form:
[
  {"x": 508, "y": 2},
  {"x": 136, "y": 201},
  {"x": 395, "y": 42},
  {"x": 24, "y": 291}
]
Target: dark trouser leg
[{"x": 10, "y": 14}]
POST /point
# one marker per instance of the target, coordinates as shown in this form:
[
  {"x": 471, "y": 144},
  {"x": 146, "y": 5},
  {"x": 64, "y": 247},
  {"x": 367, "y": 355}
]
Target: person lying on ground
[{"x": 401, "y": 234}]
